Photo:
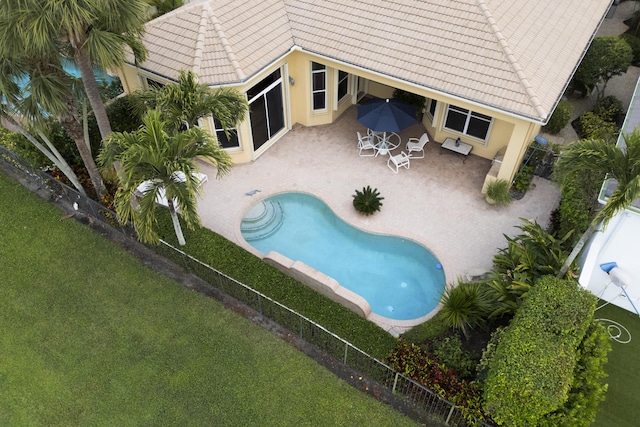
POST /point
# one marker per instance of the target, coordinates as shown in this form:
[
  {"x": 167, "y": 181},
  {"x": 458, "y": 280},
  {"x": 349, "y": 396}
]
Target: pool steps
[{"x": 262, "y": 220}]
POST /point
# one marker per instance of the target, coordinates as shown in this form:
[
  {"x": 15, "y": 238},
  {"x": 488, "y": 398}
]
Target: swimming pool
[{"x": 398, "y": 277}]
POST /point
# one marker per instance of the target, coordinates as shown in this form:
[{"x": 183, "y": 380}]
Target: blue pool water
[
  {"x": 399, "y": 278},
  {"x": 72, "y": 69}
]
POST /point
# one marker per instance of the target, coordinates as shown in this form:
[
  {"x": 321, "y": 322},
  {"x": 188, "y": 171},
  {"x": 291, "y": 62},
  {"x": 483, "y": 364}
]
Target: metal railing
[{"x": 438, "y": 409}]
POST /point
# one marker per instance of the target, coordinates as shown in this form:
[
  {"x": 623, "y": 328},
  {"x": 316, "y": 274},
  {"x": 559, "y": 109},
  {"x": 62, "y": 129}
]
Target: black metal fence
[{"x": 438, "y": 409}]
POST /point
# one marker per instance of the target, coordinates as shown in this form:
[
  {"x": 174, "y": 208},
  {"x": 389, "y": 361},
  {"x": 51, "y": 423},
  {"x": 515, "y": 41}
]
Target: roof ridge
[
  {"x": 511, "y": 58},
  {"x": 225, "y": 43},
  {"x": 202, "y": 30}
]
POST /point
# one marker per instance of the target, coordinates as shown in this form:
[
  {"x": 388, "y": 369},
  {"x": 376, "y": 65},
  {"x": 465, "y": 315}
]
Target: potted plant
[
  {"x": 498, "y": 193},
  {"x": 367, "y": 201}
]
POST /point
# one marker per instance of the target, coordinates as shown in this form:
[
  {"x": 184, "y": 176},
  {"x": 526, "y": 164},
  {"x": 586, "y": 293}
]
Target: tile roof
[{"x": 513, "y": 55}]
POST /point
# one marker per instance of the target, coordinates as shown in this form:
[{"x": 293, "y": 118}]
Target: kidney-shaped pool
[{"x": 399, "y": 278}]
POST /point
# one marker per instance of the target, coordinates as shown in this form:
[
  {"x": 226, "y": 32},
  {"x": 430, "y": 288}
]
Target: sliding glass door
[{"x": 266, "y": 109}]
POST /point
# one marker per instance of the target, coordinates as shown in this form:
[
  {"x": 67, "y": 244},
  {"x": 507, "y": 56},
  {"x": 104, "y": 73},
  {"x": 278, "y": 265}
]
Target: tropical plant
[
  {"x": 560, "y": 117},
  {"x": 165, "y": 161},
  {"x": 89, "y": 32},
  {"x": 184, "y": 103},
  {"x": 498, "y": 193},
  {"x": 465, "y": 306},
  {"x": 528, "y": 256},
  {"x": 48, "y": 149},
  {"x": 367, "y": 201},
  {"x": 165, "y": 6},
  {"x": 620, "y": 163},
  {"x": 49, "y": 92},
  {"x": 416, "y": 363}
]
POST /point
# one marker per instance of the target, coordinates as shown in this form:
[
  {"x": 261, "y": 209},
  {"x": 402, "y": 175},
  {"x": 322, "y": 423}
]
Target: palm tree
[
  {"x": 49, "y": 92},
  {"x": 184, "y": 103},
  {"x": 165, "y": 162},
  {"x": 90, "y": 32},
  {"x": 621, "y": 163}
]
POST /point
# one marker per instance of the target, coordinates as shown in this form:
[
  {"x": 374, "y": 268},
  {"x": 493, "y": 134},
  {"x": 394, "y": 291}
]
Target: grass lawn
[
  {"x": 622, "y": 405},
  {"x": 89, "y": 336}
]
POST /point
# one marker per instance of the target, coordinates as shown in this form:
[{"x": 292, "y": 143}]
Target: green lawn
[
  {"x": 91, "y": 337},
  {"x": 622, "y": 405}
]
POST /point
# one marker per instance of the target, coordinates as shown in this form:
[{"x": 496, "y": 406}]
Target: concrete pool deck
[{"x": 437, "y": 202}]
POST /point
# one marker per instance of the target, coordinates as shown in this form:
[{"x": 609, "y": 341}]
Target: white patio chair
[
  {"x": 417, "y": 145},
  {"x": 365, "y": 143},
  {"x": 398, "y": 161}
]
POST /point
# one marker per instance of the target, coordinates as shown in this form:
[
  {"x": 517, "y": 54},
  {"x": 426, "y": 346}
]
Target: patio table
[
  {"x": 461, "y": 149},
  {"x": 385, "y": 143}
]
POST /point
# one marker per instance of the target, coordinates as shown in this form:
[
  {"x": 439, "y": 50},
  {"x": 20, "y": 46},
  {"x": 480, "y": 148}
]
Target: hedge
[
  {"x": 532, "y": 370},
  {"x": 236, "y": 262}
]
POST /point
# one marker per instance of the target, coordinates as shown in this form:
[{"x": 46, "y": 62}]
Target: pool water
[
  {"x": 399, "y": 278},
  {"x": 72, "y": 69}
]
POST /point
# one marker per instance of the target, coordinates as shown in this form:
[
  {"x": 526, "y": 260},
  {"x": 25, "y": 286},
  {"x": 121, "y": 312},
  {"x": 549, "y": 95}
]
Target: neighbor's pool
[{"x": 400, "y": 279}]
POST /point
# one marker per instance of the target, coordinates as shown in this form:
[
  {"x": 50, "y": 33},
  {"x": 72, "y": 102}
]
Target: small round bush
[
  {"x": 608, "y": 109},
  {"x": 559, "y": 118},
  {"x": 634, "y": 42}
]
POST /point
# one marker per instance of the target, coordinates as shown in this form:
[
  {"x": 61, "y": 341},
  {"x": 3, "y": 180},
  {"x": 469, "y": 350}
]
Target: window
[
  {"x": 225, "y": 141},
  {"x": 153, "y": 84},
  {"x": 468, "y": 122},
  {"x": 318, "y": 86},
  {"x": 343, "y": 84},
  {"x": 432, "y": 107}
]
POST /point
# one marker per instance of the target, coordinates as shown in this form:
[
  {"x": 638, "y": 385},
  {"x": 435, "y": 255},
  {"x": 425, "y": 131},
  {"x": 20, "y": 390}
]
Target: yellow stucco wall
[{"x": 506, "y": 131}]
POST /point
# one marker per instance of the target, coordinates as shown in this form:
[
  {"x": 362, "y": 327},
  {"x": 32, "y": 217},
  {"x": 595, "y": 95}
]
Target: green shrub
[
  {"x": 367, "y": 201},
  {"x": 587, "y": 388},
  {"x": 609, "y": 109},
  {"x": 593, "y": 126},
  {"x": 634, "y": 42},
  {"x": 559, "y": 118},
  {"x": 236, "y": 262},
  {"x": 450, "y": 352},
  {"x": 578, "y": 200},
  {"x": 523, "y": 179},
  {"x": 532, "y": 370},
  {"x": 122, "y": 115},
  {"x": 488, "y": 354},
  {"x": 411, "y": 99},
  {"x": 431, "y": 329}
]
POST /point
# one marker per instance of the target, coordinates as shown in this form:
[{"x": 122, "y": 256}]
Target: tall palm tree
[
  {"x": 48, "y": 91},
  {"x": 184, "y": 103},
  {"x": 621, "y": 163},
  {"x": 90, "y": 32},
  {"x": 165, "y": 162}
]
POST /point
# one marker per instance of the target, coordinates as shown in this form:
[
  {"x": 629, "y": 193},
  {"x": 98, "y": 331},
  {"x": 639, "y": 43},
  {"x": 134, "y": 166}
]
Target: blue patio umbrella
[{"x": 386, "y": 115}]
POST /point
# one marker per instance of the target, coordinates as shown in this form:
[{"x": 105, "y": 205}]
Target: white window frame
[
  {"x": 314, "y": 91},
  {"x": 469, "y": 115},
  {"x": 221, "y": 129}
]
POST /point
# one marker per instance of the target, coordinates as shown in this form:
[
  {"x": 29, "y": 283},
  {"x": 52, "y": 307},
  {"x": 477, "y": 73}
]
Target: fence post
[
  {"x": 450, "y": 413},
  {"x": 346, "y": 348},
  {"x": 395, "y": 382}
]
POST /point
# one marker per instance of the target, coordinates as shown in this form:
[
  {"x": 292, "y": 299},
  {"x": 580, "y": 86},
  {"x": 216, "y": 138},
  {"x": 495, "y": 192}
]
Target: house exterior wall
[{"x": 506, "y": 130}]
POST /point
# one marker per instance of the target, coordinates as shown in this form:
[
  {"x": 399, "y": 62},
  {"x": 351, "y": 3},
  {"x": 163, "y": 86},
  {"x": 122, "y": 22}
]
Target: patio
[{"x": 437, "y": 202}]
